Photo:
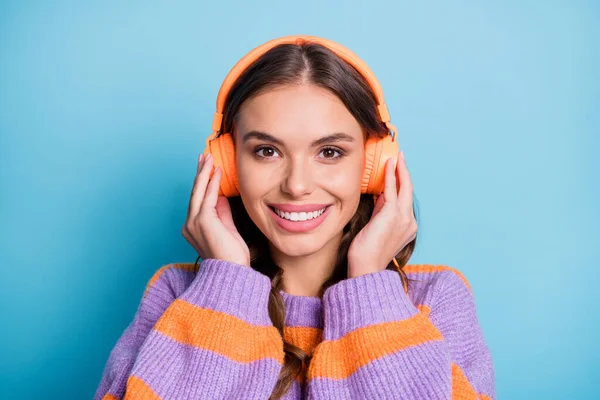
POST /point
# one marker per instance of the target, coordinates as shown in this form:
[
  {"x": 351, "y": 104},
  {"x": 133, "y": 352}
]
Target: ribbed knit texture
[{"x": 209, "y": 336}]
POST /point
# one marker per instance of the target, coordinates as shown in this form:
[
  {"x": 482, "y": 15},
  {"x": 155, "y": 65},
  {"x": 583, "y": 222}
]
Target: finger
[
  {"x": 198, "y": 169},
  {"x": 389, "y": 190},
  {"x": 405, "y": 193},
  {"x": 224, "y": 213},
  {"x": 378, "y": 205},
  {"x": 199, "y": 189},
  {"x": 212, "y": 192}
]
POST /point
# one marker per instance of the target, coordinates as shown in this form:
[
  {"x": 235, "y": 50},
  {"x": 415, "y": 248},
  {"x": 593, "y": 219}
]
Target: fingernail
[
  {"x": 208, "y": 156},
  {"x": 402, "y": 154},
  {"x": 200, "y": 158}
]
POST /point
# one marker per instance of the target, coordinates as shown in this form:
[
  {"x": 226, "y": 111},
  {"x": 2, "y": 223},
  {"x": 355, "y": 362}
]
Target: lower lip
[{"x": 300, "y": 226}]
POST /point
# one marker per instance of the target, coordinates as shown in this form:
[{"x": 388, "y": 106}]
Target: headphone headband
[{"x": 343, "y": 52}]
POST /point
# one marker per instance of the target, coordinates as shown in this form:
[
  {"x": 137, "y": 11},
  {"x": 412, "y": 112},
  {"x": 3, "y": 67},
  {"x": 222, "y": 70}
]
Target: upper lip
[{"x": 299, "y": 207}]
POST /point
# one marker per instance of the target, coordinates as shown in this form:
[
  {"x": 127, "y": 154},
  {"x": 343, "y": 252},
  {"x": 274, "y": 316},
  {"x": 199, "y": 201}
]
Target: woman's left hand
[{"x": 391, "y": 227}]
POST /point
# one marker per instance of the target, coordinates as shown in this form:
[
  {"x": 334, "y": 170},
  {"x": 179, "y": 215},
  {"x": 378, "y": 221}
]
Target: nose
[{"x": 298, "y": 179}]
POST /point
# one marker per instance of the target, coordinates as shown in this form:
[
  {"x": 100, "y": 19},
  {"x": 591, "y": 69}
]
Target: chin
[{"x": 298, "y": 245}]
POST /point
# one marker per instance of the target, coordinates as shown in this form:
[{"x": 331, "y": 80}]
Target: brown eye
[
  {"x": 266, "y": 152},
  {"x": 331, "y": 153}
]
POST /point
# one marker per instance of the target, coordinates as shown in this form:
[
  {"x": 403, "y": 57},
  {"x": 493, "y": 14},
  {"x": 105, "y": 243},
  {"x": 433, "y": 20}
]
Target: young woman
[{"x": 304, "y": 289}]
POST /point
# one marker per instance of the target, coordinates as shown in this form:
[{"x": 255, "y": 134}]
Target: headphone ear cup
[
  {"x": 223, "y": 153},
  {"x": 377, "y": 152},
  {"x": 371, "y": 158}
]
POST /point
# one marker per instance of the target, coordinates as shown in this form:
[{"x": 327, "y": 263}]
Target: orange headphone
[{"x": 377, "y": 151}]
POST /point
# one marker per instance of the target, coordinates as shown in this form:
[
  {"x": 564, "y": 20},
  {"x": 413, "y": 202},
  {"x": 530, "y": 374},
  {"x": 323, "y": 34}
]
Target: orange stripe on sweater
[
  {"x": 305, "y": 337},
  {"x": 338, "y": 359},
  {"x": 220, "y": 332},
  {"x": 428, "y": 269},
  {"x": 184, "y": 266},
  {"x": 461, "y": 388},
  {"x": 138, "y": 389},
  {"x": 109, "y": 396},
  {"x": 425, "y": 309}
]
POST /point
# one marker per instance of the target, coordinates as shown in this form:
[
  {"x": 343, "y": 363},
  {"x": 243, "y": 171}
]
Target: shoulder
[
  {"x": 166, "y": 284},
  {"x": 436, "y": 274},
  {"x": 170, "y": 280},
  {"x": 430, "y": 283}
]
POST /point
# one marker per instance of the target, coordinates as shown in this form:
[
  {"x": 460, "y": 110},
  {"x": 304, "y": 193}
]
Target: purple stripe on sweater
[
  {"x": 421, "y": 372},
  {"x": 365, "y": 300},
  {"x": 455, "y": 316},
  {"x": 114, "y": 378},
  {"x": 174, "y": 280},
  {"x": 302, "y": 310},
  {"x": 422, "y": 287},
  {"x": 295, "y": 392},
  {"x": 231, "y": 288},
  {"x": 169, "y": 285},
  {"x": 179, "y": 371}
]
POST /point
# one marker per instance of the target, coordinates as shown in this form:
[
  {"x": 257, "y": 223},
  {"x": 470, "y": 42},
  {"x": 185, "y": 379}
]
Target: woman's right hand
[{"x": 209, "y": 226}]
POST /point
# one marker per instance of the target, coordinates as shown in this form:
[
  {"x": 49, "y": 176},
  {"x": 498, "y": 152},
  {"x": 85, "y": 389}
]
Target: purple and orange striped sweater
[{"x": 208, "y": 335}]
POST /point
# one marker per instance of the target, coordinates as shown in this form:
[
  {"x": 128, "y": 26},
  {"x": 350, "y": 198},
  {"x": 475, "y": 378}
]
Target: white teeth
[{"x": 301, "y": 216}]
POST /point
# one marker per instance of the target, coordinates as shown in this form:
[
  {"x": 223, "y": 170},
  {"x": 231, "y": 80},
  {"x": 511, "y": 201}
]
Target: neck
[{"x": 305, "y": 275}]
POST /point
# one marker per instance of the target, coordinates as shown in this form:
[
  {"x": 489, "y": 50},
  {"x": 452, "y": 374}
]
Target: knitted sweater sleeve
[
  {"x": 203, "y": 336},
  {"x": 378, "y": 344}
]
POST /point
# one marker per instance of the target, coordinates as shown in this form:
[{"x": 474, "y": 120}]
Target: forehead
[{"x": 297, "y": 114}]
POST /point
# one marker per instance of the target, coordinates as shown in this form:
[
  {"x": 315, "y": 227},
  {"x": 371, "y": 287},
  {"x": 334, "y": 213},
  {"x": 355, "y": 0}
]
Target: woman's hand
[
  {"x": 209, "y": 226},
  {"x": 392, "y": 225}
]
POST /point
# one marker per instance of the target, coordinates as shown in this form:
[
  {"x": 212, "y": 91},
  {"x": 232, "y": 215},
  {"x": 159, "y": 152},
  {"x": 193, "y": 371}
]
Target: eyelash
[
  {"x": 259, "y": 148},
  {"x": 341, "y": 152}
]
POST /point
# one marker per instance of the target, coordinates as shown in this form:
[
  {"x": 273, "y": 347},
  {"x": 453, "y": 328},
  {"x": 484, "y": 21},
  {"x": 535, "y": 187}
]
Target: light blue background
[{"x": 104, "y": 107}]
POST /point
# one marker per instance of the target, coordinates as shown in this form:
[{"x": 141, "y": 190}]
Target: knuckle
[
  {"x": 410, "y": 224},
  {"x": 190, "y": 227},
  {"x": 413, "y": 226}
]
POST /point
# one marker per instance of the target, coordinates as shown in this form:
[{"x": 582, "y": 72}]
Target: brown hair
[{"x": 295, "y": 64}]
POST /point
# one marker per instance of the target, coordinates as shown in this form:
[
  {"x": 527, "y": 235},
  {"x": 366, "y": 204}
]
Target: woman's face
[{"x": 299, "y": 155}]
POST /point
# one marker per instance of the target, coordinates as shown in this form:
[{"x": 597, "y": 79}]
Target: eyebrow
[{"x": 332, "y": 138}]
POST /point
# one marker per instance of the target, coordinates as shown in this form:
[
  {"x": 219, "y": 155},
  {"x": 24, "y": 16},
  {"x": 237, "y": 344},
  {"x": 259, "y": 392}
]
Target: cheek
[
  {"x": 343, "y": 180},
  {"x": 255, "y": 182},
  {"x": 248, "y": 182},
  {"x": 251, "y": 181}
]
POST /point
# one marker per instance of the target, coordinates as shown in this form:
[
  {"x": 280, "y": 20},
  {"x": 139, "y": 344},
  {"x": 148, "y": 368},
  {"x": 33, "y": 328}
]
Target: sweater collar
[{"x": 303, "y": 310}]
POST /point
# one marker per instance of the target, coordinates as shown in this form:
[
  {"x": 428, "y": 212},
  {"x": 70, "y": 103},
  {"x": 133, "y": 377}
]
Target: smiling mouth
[{"x": 298, "y": 216}]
